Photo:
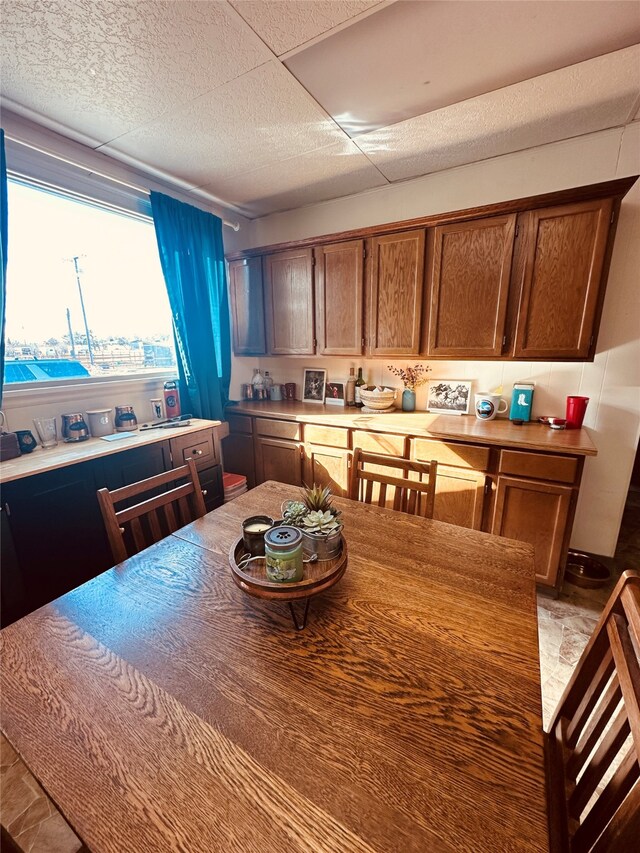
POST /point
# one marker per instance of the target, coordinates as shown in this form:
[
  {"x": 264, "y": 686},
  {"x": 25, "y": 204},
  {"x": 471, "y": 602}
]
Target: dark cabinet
[
  {"x": 468, "y": 279},
  {"x": 247, "y": 306},
  {"x": 57, "y": 531},
  {"x": 289, "y": 302},
  {"x": 396, "y": 293},
  {"x": 53, "y": 536},
  {"x": 339, "y": 298},
  {"x": 562, "y": 259}
]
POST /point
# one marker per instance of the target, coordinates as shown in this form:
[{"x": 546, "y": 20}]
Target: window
[{"x": 85, "y": 291}]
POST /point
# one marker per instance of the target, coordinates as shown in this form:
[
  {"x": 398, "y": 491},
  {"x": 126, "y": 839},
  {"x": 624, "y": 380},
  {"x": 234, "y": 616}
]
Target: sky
[{"x": 122, "y": 282}]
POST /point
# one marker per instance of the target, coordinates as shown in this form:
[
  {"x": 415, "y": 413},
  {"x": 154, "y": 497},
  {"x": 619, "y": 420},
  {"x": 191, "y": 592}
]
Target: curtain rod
[{"x": 234, "y": 225}]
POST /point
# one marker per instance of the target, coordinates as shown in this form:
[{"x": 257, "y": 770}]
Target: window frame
[{"x": 44, "y": 391}]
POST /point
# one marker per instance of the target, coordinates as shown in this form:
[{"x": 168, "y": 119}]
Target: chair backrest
[
  {"x": 593, "y": 746},
  {"x": 408, "y": 487},
  {"x": 137, "y": 526}
]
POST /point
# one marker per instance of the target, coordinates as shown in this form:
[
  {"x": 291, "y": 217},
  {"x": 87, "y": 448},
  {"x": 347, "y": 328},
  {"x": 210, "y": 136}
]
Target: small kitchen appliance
[{"x": 100, "y": 422}]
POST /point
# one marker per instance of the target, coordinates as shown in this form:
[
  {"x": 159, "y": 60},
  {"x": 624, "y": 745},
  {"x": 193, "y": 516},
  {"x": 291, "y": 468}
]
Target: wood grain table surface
[{"x": 163, "y": 709}]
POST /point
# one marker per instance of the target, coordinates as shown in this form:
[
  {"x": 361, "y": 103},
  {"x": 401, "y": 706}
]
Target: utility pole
[
  {"x": 71, "y": 338},
  {"x": 84, "y": 313}
]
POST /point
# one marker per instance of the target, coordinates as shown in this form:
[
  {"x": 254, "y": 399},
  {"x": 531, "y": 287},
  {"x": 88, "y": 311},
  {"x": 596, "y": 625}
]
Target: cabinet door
[
  {"x": 327, "y": 466},
  {"x": 564, "y": 251},
  {"x": 237, "y": 453},
  {"x": 212, "y": 488},
  {"x": 468, "y": 280},
  {"x": 289, "y": 281},
  {"x": 57, "y": 530},
  {"x": 459, "y": 497},
  {"x": 538, "y": 513},
  {"x": 277, "y": 459},
  {"x": 396, "y": 293},
  {"x": 13, "y": 599},
  {"x": 247, "y": 306},
  {"x": 131, "y": 466},
  {"x": 339, "y": 298}
]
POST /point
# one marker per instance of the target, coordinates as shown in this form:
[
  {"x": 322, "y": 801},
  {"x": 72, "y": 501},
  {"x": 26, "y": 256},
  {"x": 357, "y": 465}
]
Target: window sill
[{"x": 68, "y": 390}]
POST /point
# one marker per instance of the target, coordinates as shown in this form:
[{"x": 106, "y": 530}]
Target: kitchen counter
[
  {"x": 500, "y": 431},
  {"x": 48, "y": 459}
]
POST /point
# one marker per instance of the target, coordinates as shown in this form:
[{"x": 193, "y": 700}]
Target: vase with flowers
[{"x": 412, "y": 378}]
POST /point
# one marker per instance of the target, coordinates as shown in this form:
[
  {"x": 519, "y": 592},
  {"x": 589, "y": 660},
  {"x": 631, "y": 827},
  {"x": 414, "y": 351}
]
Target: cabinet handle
[
  {"x": 198, "y": 452},
  {"x": 487, "y": 486},
  {"x": 204, "y": 493},
  {"x": 7, "y": 509}
]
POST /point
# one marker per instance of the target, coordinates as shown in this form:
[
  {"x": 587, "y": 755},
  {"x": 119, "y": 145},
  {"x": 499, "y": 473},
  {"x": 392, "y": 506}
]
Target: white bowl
[{"x": 378, "y": 399}]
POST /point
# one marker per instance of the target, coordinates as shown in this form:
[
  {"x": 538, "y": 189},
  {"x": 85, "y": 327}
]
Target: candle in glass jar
[{"x": 253, "y": 530}]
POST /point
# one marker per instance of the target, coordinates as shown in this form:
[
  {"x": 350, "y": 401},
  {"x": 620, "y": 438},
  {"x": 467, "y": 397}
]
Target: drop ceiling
[{"x": 269, "y": 105}]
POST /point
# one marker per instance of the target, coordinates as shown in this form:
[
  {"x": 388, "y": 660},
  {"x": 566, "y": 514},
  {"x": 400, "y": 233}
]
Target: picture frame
[
  {"x": 336, "y": 392},
  {"x": 313, "y": 385},
  {"x": 449, "y": 396}
]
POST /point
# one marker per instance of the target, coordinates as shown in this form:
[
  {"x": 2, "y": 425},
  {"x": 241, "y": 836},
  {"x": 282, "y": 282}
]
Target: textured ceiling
[{"x": 247, "y": 99}]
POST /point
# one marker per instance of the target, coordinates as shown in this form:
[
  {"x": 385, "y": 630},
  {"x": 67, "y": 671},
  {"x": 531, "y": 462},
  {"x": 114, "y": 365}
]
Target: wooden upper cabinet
[
  {"x": 289, "y": 302},
  {"x": 468, "y": 279},
  {"x": 339, "y": 298},
  {"x": 563, "y": 255},
  {"x": 247, "y": 306},
  {"x": 396, "y": 293}
]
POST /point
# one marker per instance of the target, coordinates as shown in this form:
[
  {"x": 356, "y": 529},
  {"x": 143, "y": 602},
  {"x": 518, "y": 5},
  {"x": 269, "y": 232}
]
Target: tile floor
[{"x": 566, "y": 623}]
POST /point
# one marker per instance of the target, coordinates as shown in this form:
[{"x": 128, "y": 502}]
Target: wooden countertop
[
  {"x": 48, "y": 459},
  {"x": 162, "y": 708},
  {"x": 500, "y": 431}
]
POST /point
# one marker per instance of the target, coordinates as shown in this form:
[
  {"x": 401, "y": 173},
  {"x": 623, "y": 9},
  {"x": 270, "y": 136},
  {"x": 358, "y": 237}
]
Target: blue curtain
[
  {"x": 4, "y": 236},
  {"x": 192, "y": 259}
]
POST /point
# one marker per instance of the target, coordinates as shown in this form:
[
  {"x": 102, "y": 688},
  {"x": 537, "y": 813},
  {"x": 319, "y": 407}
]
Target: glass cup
[{"x": 47, "y": 432}]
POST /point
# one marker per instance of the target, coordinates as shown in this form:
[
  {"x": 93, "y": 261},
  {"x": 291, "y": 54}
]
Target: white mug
[{"x": 489, "y": 405}]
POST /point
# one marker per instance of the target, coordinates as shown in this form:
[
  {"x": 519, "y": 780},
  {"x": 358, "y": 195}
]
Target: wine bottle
[
  {"x": 359, "y": 384},
  {"x": 350, "y": 393}
]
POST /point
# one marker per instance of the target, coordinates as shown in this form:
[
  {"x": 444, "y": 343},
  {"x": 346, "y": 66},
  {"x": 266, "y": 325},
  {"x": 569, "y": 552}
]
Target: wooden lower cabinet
[
  {"x": 327, "y": 466},
  {"x": 237, "y": 454},
  {"x": 535, "y": 512},
  {"x": 459, "y": 497},
  {"x": 278, "y": 459}
]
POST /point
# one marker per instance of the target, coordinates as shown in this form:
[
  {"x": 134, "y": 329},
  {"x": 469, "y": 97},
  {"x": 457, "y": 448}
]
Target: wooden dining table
[{"x": 164, "y": 709}]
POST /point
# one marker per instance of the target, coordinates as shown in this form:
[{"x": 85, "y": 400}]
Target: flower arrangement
[{"x": 412, "y": 377}]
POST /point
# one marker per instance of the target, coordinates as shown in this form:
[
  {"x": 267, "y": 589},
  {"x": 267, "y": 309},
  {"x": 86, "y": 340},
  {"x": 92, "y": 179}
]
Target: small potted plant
[
  {"x": 318, "y": 520},
  {"x": 412, "y": 378}
]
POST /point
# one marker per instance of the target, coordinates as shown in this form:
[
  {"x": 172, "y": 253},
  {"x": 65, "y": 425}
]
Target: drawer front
[
  {"x": 562, "y": 469},
  {"x": 240, "y": 423},
  {"x": 447, "y": 453},
  {"x": 278, "y": 429},
  {"x": 198, "y": 445},
  {"x": 331, "y": 436},
  {"x": 379, "y": 442}
]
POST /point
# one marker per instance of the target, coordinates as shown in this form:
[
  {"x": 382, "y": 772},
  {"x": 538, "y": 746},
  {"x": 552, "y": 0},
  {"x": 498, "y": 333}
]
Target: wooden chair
[
  {"x": 413, "y": 491},
  {"x": 135, "y": 527},
  {"x": 593, "y": 746}
]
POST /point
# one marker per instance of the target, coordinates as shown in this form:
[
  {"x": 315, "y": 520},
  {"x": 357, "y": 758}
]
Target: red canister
[
  {"x": 171, "y": 399},
  {"x": 576, "y": 408}
]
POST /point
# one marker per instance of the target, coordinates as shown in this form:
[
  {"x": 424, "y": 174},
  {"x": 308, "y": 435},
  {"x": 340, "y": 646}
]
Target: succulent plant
[
  {"x": 316, "y": 498},
  {"x": 294, "y": 512},
  {"x": 320, "y": 523}
]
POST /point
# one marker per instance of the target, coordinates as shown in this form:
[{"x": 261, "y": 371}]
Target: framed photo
[
  {"x": 449, "y": 396},
  {"x": 336, "y": 392},
  {"x": 313, "y": 386}
]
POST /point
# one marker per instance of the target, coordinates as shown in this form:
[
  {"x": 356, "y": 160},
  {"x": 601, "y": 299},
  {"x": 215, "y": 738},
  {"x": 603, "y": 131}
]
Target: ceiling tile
[
  {"x": 260, "y": 118},
  {"x": 583, "y": 98},
  {"x": 103, "y": 68},
  {"x": 332, "y": 172},
  {"x": 411, "y": 58},
  {"x": 285, "y": 24}
]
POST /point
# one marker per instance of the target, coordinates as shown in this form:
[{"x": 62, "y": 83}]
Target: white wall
[{"x": 612, "y": 381}]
